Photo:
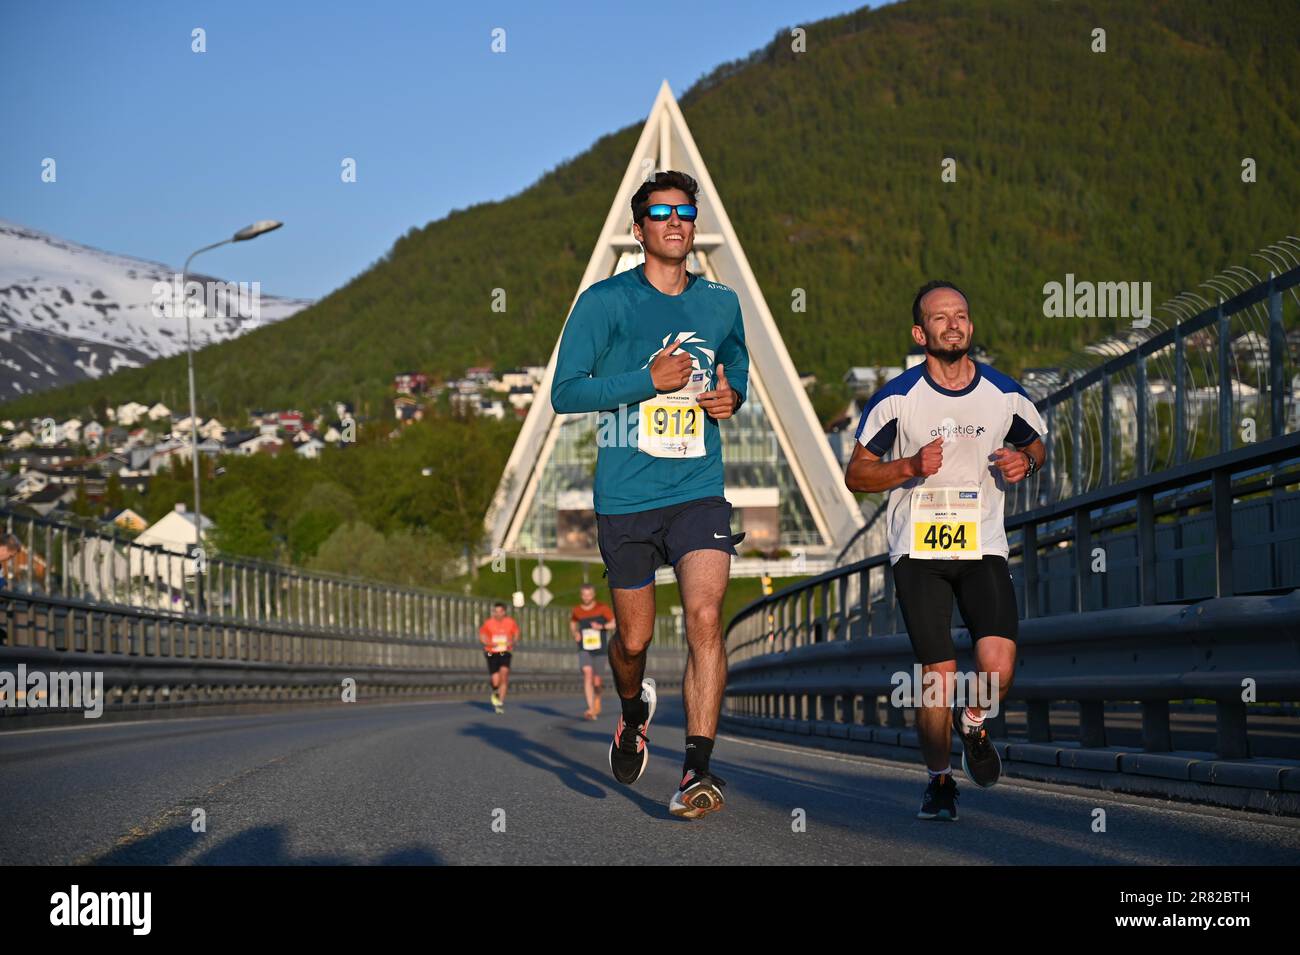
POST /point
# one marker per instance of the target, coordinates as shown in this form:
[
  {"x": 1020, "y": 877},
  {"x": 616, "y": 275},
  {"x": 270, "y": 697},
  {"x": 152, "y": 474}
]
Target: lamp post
[{"x": 249, "y": 232}]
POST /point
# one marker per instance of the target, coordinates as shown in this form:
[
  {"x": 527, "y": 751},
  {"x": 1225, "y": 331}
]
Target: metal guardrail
[
  {"x": 84, "y": 567},
  {"x": 1184, "y": 393},
  {"x": 75, "y": 599},
  {"x": 1149, "y": 654},
  {"x": 853, "y": 611}
]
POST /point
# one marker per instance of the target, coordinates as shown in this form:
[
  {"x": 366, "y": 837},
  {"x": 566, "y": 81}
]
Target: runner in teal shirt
[{"x": 616, "y": 329}]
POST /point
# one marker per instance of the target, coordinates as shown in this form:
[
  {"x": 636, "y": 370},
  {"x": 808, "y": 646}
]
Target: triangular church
[{"x": 785, "y": 485}]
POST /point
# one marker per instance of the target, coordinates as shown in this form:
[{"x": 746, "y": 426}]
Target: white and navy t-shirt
[{"x": 912, "y": 410}]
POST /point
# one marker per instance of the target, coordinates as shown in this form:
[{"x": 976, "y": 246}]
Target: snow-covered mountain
[{"x": 70, "y": 312}]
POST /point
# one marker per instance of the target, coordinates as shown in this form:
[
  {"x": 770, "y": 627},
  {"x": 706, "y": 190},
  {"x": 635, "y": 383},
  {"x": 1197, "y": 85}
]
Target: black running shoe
[
  {"x": 979, "y": 759},
  {"x": 629, "y": 752},
  {"x": 698, "y": 794},
  {"x": 940, "y": 800}
]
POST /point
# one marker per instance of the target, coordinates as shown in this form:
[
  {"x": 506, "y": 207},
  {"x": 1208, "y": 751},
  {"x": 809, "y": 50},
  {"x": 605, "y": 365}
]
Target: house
[
  {"x": 93, "y": 434},
  {"x": 30, "y": 482},
  {"x": 48, "y": 458},
  {"x": 343, "y": 409},
  {"x": 115, "y": 437},
  {"x": 161, "y": 455},
  {"x": 332, "y": 435},
  {"x": 311, "y": 448},
  {"x": 410, "y": 383},
  {"x": 520, "y": 397},
  {"x": 488, "y": 408},
  {"x": 407, "y": 409},
  {"x": 289, "y": 421},
  {"x": 51, "y": 498},
  {"x": 254, "y": 444},
  {"x": 174, "y": 532},
  {"x": 23, "y": 439},
  {"x": 127, "y": 519},
  {"x": 212, "y": 428},
  {"x": 233, "y": 439},
  {"x": 158, "y": 412},
  {"x": 516, "y": 378},
  {"x": 863, "y": 380},
  {"x": 129, "y": 413},
  {"x": 482, "y": 374},
  {"x": 109, "y": 462},
  {"x": 70, "y": 430}
]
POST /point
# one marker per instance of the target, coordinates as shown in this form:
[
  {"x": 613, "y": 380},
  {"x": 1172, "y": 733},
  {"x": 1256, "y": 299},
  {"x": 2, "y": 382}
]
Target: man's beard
[{"x": 949, "y": 355}]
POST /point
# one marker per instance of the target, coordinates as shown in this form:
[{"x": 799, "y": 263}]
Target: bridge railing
[
  {"x": 1220, "y": 380},
  {"x": 1120, "y": 563},
  {"x": 163, "y": 626},
  {"x": 93, "y": 567}
]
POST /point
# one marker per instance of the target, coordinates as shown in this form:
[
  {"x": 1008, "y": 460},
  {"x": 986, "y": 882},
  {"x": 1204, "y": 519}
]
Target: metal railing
[
  {"x": 1218, "y": 381},
  {"x": 77, "y": 599},
  {"x": 1169, "y": 479},
  {"x": 86, "y": 566}
]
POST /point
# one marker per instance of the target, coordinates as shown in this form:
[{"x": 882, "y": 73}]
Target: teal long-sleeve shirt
[{"x": 614, "y": 331}]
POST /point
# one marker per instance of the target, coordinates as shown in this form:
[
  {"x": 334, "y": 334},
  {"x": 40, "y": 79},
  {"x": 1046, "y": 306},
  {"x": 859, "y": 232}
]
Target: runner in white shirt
[{"x": 944, "y": 426}]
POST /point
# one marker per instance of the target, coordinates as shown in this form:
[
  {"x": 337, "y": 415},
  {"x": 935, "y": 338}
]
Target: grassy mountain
[{"x": 1122, "y": 165}]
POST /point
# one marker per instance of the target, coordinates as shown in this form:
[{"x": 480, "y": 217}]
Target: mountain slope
[
  {"x": 1115, "y": 166},
  {"x": 69, "y": 312}
]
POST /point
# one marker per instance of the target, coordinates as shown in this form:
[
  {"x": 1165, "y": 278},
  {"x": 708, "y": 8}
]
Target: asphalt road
[{"x": 427, "y": 783}]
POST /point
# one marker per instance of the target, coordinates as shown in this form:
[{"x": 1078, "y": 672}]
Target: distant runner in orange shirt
[
  {"x": 498, "y": 635},
  {"x": 589, "y": 622}
]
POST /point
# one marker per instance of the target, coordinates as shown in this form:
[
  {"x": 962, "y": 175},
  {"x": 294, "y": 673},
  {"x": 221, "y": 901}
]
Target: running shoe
[
  {"x": 629, "y": 752},
  {"x": 979, "y": 759},
  {"x": 940, "y": 800},
  {"x": 698, "y": 794}
]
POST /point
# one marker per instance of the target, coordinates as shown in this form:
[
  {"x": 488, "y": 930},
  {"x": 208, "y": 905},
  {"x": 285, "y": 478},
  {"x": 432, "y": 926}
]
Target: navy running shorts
[{"x": 635, "y": 545}]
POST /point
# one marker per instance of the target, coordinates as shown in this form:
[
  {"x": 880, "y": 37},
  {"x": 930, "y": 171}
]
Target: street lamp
[{"x": 244, "y": 234}]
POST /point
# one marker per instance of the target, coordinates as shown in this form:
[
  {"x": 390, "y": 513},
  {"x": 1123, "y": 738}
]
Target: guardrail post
[
  {"x": 1092, "y": 723},
  {"x": 1146, "y": 543},
  {"x": 1076, "y": 439},
  {"x": 1276, "y": 356},
  {"x": 1221, "y": 505},
  {"x": 1230, "y": 725},
  {"x": 1180, "y": 393},
  {"x": 870, "y": 712},
  {"x": 1082, "y": 558},
  {"x": 1225, "y": 379},
  {"x": 846, "y": 714},
  {"x": 1039, "y": 716},
  {"x": 1140, "y": 461},
  {"x": 1029, "y": 568},
  {"x": 1156, "y": 737},
  {"x": 1107, "y": 451},
  {"x": 997, "y": 725}
]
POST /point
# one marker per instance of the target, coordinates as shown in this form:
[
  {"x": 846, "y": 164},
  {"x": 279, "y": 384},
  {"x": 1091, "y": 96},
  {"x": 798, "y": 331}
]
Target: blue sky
[{"x": 160, "y": 150}]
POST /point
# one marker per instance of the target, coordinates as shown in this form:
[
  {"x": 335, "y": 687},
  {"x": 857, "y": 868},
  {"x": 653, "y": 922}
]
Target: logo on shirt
[
  {"x": 692, "y": 345},
  {"x": 949, "y": 429}
]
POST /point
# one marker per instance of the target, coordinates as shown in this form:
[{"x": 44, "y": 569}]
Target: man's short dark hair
[
  {"x": 925, "y": 290},
  {"x": 499, "y": 603},
  {"x": 664, "y": 179}
]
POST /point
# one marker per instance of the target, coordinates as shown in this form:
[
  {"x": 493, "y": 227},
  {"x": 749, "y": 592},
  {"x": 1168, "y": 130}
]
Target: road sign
[
  {"x": 541, "y": 575},
  {"x": 541, "y": 596}
]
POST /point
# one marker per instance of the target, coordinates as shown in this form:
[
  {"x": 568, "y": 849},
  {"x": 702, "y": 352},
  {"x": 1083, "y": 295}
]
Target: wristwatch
[{"x": 1033, "y": 465}]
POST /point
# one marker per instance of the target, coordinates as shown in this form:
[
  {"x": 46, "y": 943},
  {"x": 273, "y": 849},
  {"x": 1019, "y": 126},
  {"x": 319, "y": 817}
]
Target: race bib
[
  {"x": 500, "y": 643},
  {"x": 946, "y": 523},
  {"x": 672, "y": 425},
  {"x": 590, "y": 639}
]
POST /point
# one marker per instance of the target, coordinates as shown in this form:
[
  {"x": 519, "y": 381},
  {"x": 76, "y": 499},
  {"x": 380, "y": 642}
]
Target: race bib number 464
[{"x": 946, "y": 523}]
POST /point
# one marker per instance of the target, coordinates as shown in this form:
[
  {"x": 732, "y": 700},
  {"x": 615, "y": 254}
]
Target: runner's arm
[
  {"x": 867, "y": 472},
  {"x": 574, "y": 389},
  {"x": 733, "y": 355}
]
